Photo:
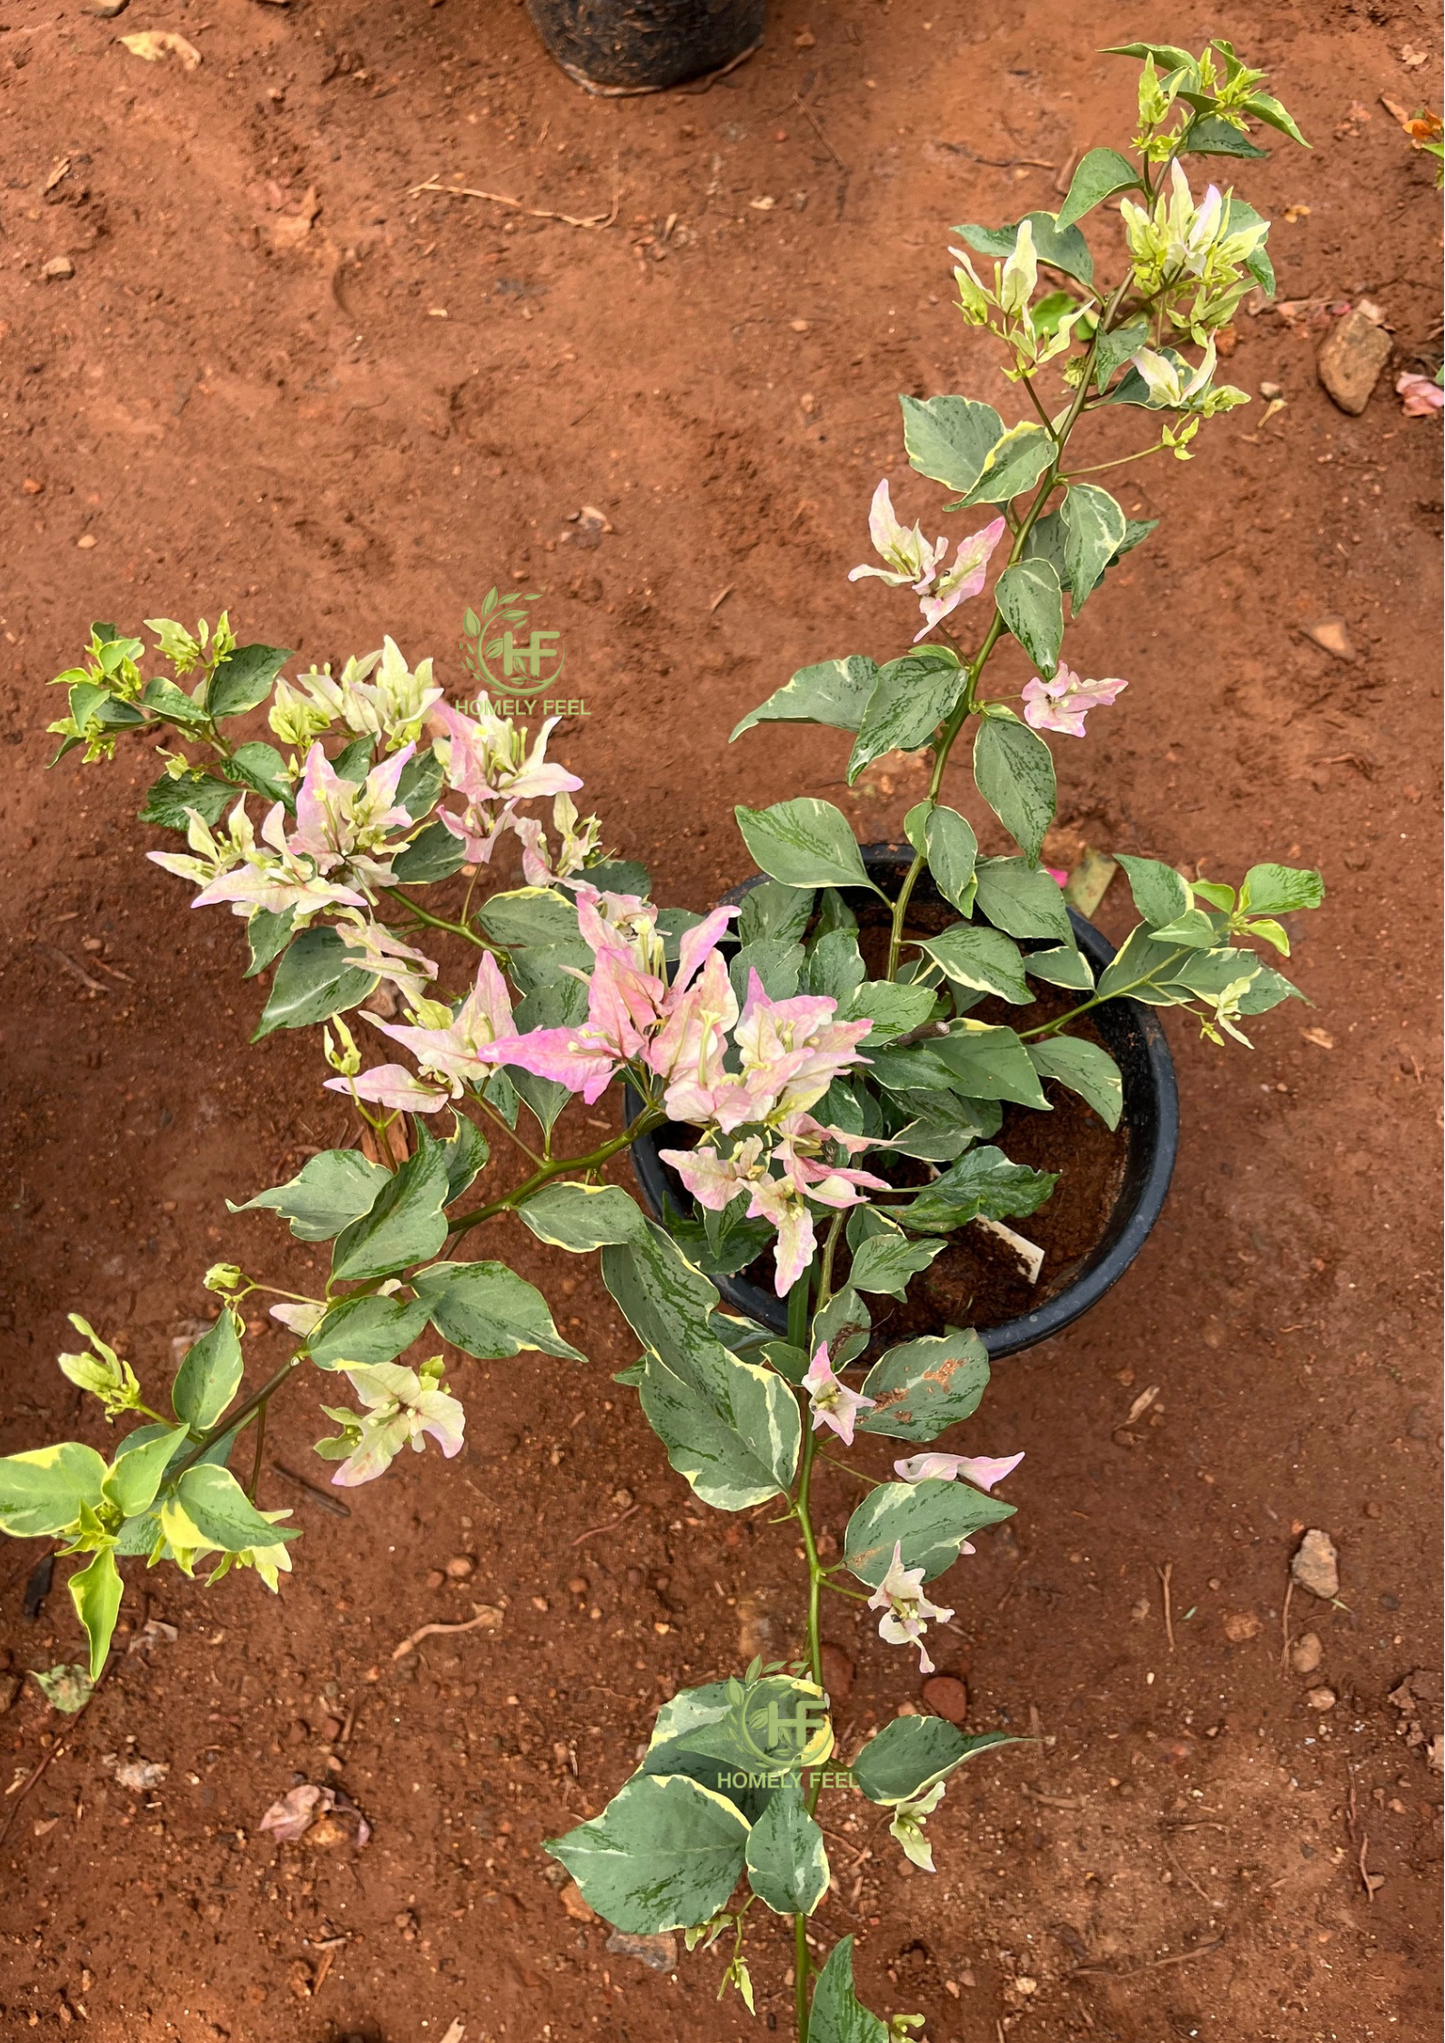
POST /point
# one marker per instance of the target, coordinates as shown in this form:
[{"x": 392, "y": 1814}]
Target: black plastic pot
[
  {"x": 1150, "y": 1120},
  {"x": 625, "y": 46}
]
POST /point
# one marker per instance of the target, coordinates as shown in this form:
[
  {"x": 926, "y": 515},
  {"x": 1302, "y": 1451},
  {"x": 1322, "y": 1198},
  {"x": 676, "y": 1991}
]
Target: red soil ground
[{"x": 359, "y": 424}]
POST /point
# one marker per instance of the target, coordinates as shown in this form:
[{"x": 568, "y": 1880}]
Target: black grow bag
[
  {"x": 1135, "y": 1040},
  {"x": 625, "y": 46}
]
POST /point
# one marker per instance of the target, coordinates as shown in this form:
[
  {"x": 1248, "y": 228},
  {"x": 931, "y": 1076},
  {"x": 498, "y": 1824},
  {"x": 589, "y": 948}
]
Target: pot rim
[{"x": 1150, "y": 1117}]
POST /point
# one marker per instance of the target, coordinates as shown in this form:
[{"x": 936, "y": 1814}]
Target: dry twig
[
  {"x": 596, "y": 222},
  {"x": 1165, "y": 1574},
  {"x": 488, "y": 1617}
]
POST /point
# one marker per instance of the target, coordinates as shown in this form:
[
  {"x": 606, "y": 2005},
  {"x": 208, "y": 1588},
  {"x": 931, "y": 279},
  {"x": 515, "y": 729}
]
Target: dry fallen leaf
[
  {"x": 1321, "y": 1038},
  {"x": 154, "y": 44},
  {"x": 1142, "y": 1403},
  {"x": 59, "y": 169},
  {"x": 140, "y": 1775}
]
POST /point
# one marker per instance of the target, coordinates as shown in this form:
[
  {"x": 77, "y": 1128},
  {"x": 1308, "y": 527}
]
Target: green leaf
[
  {"x": 981, "y": 958},
  {"x": 172, "y": 704},
  {"x": 465, "y": 1152},
  {"x": 582, "y": 1217},
  {"x": 1015, "y": 463},
  {"x": 1194, "y": 929},
  {"x": 1085, "y": 1068},
  {"x": 367, "y": 1329},
  {"x": 893, "y": 1008},
  {"x": 665, "y": 1299},
  {"x": 136, "y": 1476},
  {"x": 949, "y": 438},
  {"x": 96, "y": 1590},
  {"x": 730, "y": 1427},
  {"x": 43, "y": 1488},
  {"x": 1212, "y": 136},
  {"x": 779, "y": 965},
  {"x": 983, "y": 1184},
  {"x": 1061, "y": 248},
  {"x": 260, "y": 766},
  {"x": 1266, "y": 990},
  {"x": 939, "y": 1126},
  {"x": 1160, "y": 893},
  {"x": 268, "y": 932},
  {"x": 1062, "y": 966},
  {"x": 1030, "y": 601},
  {"x": 664, "y": 1854},
  {"x": 620, "y": 876},
  {"x": 886, "y": 1261},
  {"x": 1094, "y": 528},
  {"x": 844, "y": 1323},
  {"x": 168, "y": 800},
  {"x": 1280, "y": 890},
  {"x": 921, "y": 1387},
  {"x": 1098, "y": 175},
  {"x": 774, "y": 911},
  {"x": 804, "y": 843},
  {"x": 433, "y": 854},
  {"x": 1142, "y": 969},
  {"x": 1116, "y": 347},
  {"x": 838, "y": 2016},
  {"x": 989, "y": 1064},
  {"x": 1265, "y": 107},
  {"x": 243, "y": 679},
  {"x": 210, "y": 1375},
  {"x": 929, "y": 1520},
  {"x": 835, "y": 965},
  {"x": 786, "y": 1859},
  {"x": 329, "y": 1192},
  {"x": 911, "y": 1753},
  {"x": 421, "y": 782},
  {"x": 222, "y": 1513},
  {"x": 835, "y": 692},
  {"x": 529, "y": 915},
  {"x": 404, "y": 1223},
  {"x": 952, "y": 851},
  {"x": 912, "y": 697},
  {"x": 488, "y": 1311},
  {"x": 313, "y": 981},
  {"x": 353, "y": 761},
  {"x": 1013, "y": 770},
  {"x": 1023, "y": 900}
]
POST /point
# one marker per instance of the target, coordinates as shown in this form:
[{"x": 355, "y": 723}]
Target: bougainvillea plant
[{"x": 357, "y": 852}]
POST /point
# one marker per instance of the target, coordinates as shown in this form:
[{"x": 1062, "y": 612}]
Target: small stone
[
  {"x": 31, "y": 487},
  {"x": 323, "y": 1834},
  {"x": 1374, "y": 1510},
  {"x": 1271, "y": 390},
  {"x": 1321, "y": 1699},
  {"x": 59, "y": 266},
  {"x": 10, "y": 1686},
  {"x": 622, "y": 1500},
  {"x": 1306, "y": 1653},
  {"x": 1417, "y": 1423},
  {"x": 461, "y": 1568},
  {"x": 660, "y": 1953},
  {"x": 1316, "y": 1565},
  {"x": 86, "y": 541},
  {"x": 435, "y": 1578},
  {"x": 1332, "y": 635},
  {"x": 838, "y": 1672},
  {"x": 947, "y": 1697},
  {"x": 105, "y": 10},
  {"x": 575, "y": 1903},
  {"x": 1241, "y": 1626},
  {"x": 578, "y": 1585},
  {"x": 1350, "y": 359}
]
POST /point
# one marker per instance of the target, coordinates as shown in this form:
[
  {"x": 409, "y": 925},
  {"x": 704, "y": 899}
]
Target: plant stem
[
  {"x": 260, "y": 1449},
  {"x": 234, "y": 1421},
  {"x": 650, "y": 1117},
  {"x": 1097, "y": 1000},
  {"x": 968, "y": 705},
  {"x": 802, "y": 1968},
  {"x": 436, "y": 921}
]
